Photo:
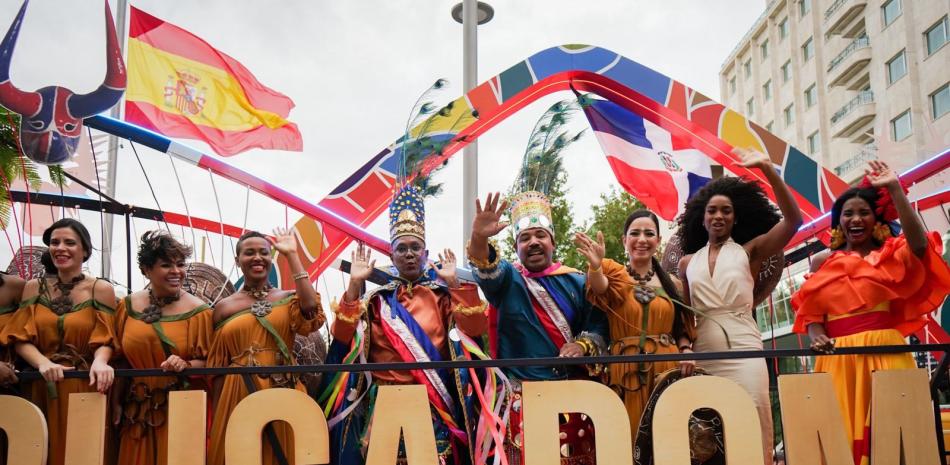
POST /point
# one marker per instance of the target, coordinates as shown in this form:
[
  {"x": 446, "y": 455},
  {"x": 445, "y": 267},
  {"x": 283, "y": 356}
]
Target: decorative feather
[
  {"x": 428, "y": 131},
  {"x": 541, "y": 164}
]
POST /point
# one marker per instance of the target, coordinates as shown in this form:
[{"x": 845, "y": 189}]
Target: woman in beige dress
[{"x": 727, "y": 230}]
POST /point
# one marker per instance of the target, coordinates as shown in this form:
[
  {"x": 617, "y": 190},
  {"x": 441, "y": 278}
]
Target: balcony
[
  {"x": 851, "y": 61},
  {"x": 840, "y": 14},
  {"x": 854, "y": 115},
  {"x": 852, "y": 168}
]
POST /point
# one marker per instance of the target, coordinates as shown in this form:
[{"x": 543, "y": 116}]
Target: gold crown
[
  {"x": 531, "y": 210},
  {"x": 188, "y": 76}
]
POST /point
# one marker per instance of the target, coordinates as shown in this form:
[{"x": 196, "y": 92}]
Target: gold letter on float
[
  {"x": 811, "y": 419},
  {"x": 26, "y": 431},
  {"x": 187, "y": 420},
  {"x": 86, "y": 429},
  {"x": 740, "y": 420},
  {"x": 243, "y": 439},
  {"x": 402, "y": 408},
  {"x": 542, "y": 402},
  {"x": 902, "y": 419}
]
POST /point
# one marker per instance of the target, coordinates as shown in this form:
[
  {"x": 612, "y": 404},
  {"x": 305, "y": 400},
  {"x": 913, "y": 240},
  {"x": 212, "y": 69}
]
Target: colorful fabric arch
[{"x": 707, "y": 125}]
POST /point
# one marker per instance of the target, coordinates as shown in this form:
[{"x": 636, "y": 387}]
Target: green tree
[
  {"x": 607, "y": 217},
  {"x": 13, "y": 166}
]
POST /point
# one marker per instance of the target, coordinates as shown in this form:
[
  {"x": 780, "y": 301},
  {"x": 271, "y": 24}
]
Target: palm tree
[{"x": 13, "y": 165}]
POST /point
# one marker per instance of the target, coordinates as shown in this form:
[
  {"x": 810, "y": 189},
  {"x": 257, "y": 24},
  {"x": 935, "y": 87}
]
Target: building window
[
  {"x": 940, "y": 101},
  {"x": 732, "y": 85},
  {"x": 814, "y": 143},
  {"x": 767, "y": 90},
  {"x": 891, "y": 9},
  {"x": 808, "y": 50},
  {"x": 789, "y": 114},
  {"x": 764, "y": 48},
  {"x": 811, "y": 96},
  {"x": 787, "y": 71},
  {"x": 901, "y": 127},
  {"x": 936, "y": 36},
  {"x": 804, "y": 6},
  {"x": 750, "y": 107},
  {"x": 747, "y": 68},
  {"x": 768, "y": 127},
  {"x": 896, "y": 67},
  {"x": 783, "y": 28}
]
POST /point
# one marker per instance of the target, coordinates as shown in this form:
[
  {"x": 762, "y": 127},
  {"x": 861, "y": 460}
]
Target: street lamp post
[{"x": 470, "y": 14}]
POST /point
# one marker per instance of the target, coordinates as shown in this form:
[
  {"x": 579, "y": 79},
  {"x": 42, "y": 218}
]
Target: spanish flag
[{"x": 181, "y": 86}]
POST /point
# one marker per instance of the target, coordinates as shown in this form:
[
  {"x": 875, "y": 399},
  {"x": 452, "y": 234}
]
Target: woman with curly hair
[
  {"x": 639, "y": 298},
  {"x": 162, "y": 326},
  {"x": 869, "y": 289},
  {"x": 65, "y": 322},
  {"x": 727, "y": 230}
]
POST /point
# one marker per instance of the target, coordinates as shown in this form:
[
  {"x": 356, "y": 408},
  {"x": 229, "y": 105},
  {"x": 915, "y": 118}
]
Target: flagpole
[{"x": 122, "y": 7}]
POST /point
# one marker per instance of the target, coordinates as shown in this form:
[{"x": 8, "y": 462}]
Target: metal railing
[
  {"x": 856, "y": 44},
  {"x": 864, "y": 97},
  {"x": 867, "y": 153},
  {"x": 834, "y": 7}
]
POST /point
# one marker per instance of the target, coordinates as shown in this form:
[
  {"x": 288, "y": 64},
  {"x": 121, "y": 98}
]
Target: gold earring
[
  {"x": 882, "y": 232},
  {"x": 837, "y": 238}
]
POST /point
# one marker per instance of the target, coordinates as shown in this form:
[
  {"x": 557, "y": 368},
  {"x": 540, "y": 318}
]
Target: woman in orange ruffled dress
[
  {"x": 869, "y": 289},
  {"x": 256, "y": 327},
  {"x": 163, "y": 327}
]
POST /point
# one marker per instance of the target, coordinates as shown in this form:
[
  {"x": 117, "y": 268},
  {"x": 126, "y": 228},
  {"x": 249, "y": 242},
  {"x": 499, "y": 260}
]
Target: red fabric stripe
[
  {"x": 858, "y": 324},
  {"x": 225, "y": 143},
  {"x": 654, "y": 188},
  {"x": 177, "y": 41},
  {"x": 400, "y": 347},
  {"x": 548, "y": 324}
]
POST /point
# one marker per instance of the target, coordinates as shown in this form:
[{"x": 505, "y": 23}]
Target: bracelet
[
  {"x": 686, "y": 346},
  {"x": 486, "y": 263},
  {"x": 348, "y": 318},
  {"x": 476, "y": 310},
  {"x": 585, "y": 345},
  {"x": 599, "y": 269},
  {"x": 301, "y": 275}
]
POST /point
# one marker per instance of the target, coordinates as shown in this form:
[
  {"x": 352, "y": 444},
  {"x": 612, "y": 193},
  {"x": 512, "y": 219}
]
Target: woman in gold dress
[
  {"x": 65, "y": 322},
  {"x": 256, "y": 327},
  {"x": 164, "y": 327}
]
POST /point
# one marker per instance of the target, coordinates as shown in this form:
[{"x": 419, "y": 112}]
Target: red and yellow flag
[{"x": 181, "y": 86}]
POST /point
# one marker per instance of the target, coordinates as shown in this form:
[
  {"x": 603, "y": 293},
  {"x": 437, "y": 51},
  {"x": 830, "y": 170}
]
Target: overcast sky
[{"x": 354, "y": 68}]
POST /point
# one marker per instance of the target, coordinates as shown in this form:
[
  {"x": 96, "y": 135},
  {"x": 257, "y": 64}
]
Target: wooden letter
[
  {"x": 243, "y": 441},
  {"x": 740, "y": 420},
  {"x": 187, "y": 420},
  {"x": 544, "y": 401},
  {"x": 25, "y": 426},
  {"x": 813, "y": 426},
  {"x": 902, "y": 419},
  {"x": 86, "y": 429},
  {"x": 402, "y": 408}
]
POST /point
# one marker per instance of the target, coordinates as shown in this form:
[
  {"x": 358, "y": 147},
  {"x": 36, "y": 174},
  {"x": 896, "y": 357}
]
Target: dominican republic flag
[{"x": 657, "y": 168}]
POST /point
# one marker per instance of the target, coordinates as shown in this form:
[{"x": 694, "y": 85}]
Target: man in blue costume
[
  {"x": 537, "y": 307},
  {"x": 409, "y": 319}
]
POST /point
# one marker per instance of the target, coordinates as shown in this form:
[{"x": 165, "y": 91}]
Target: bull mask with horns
[{"x": 52, "y": 116}]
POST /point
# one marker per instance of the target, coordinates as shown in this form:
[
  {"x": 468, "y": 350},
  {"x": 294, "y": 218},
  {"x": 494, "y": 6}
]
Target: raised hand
[
  {"x": 487, "y": 222},
  {"x": 448, "y": 272},
  {"x": 593, "y": 251},
  {"x": 750, "y": 158},
  {"x": 284, "y": 241},
  {"x": 361, "y": 267},
  {"x": 881, "y": 175}
]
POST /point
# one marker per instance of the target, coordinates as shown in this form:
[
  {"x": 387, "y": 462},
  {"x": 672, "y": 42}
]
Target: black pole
[
  {"x": 939, "y": 373},
  {"x": 128, "y": 250}
]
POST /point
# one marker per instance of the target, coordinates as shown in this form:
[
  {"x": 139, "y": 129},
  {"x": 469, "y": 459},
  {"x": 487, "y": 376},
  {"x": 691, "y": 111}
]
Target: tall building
[{"x": 846, "y": 81}]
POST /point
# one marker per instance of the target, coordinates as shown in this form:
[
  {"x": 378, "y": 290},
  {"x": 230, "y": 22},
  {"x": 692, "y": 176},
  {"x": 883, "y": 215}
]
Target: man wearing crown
[
  {"x": 409, "y": 319},
  {"x": 537, "y": 307}
]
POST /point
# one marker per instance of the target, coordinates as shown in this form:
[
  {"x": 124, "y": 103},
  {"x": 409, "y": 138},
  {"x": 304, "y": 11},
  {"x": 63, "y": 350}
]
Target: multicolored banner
[{"x": 181, "y": 86}]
